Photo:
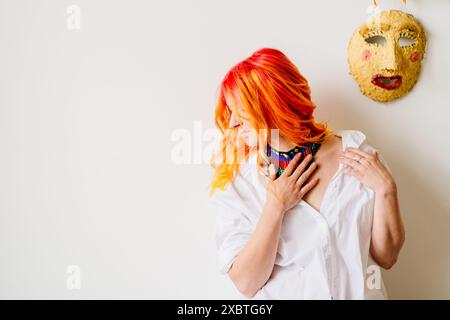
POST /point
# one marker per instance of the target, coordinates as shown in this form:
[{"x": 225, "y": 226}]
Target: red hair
[{"x": 274, "y": 95}]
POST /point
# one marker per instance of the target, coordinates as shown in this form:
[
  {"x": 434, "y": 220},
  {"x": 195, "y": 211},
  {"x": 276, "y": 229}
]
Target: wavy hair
[{"x": 274, "y": 95}]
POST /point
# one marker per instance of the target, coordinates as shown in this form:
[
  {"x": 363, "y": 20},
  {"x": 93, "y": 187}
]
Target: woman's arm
[
  {"x": 254, "y": 264},
  {"x": 388, "y": 233}
]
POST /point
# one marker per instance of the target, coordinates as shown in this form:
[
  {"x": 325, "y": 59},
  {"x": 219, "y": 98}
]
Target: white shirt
[{"x": 320, "y": 255}]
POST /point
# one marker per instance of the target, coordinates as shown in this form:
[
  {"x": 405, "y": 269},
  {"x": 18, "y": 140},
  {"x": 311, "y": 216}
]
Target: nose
[
  {"x": 234, "y": 121},
  {"x": 391, "y": 57}
]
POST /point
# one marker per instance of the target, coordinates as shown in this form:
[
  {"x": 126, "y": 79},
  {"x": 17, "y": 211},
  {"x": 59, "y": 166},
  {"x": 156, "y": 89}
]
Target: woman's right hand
[{"x": 289, "y": 188}]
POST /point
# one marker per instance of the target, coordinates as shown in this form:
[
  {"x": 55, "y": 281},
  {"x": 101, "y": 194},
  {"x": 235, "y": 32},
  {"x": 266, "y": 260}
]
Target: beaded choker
[{"x": 281, "y": 159}]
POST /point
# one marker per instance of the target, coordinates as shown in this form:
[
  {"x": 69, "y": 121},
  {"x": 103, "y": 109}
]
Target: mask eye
[
  {"x": 378, "y": 40},
  {"x": 407, "y": 39},
  {"x": 375, "y": 38},
  {"x": 406, "y": 42}
]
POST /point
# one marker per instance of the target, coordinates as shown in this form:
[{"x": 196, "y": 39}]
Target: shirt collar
[{"x": 350, "y": 138}]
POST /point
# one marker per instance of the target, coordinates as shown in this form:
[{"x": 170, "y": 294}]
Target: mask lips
[{"x": 387, "y": 82}]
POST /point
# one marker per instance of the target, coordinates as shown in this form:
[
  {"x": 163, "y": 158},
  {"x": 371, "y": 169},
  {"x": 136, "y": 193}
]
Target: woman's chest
[
  {"x": 345, "y": 220},
  {"x": 325, "y": 172}
]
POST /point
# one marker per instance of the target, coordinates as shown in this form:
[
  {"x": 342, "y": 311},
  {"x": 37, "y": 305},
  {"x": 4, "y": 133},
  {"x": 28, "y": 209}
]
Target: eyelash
[
  {"x": 373, "y": 33},
  {"x": 408, "y": 34}
]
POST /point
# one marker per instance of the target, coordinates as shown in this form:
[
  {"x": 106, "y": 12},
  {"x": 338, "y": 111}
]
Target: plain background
[{"x": 86, "y": 124}]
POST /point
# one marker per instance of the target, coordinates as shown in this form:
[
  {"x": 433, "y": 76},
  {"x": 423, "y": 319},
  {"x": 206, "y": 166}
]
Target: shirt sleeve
[{"x": 233, "y": 228}]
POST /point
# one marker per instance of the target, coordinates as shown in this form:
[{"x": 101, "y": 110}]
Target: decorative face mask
[{"x": 385, "y": 54}]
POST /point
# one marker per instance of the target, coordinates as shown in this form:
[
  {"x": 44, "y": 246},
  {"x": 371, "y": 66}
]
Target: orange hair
[{"x": 273, "y": 94}]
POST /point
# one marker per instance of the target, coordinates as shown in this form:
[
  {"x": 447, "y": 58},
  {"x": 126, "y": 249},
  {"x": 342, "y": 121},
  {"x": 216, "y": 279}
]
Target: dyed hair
[{"x": 274, "y": 95}]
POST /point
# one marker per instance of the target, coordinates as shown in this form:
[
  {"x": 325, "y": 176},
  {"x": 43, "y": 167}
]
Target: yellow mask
[{"x": 385, "y": 55}]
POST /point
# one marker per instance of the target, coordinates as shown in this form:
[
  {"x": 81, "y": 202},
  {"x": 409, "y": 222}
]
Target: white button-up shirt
[{"x": 321, "y": 255}]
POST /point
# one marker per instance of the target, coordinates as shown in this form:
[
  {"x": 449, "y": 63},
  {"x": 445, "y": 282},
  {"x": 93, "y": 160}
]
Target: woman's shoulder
[
  {"x": 239, "y": 187},
  {"x": 355, "y": 139},
  {"x": 350, "y": 137},
  {"x": 358, "y": 139}
]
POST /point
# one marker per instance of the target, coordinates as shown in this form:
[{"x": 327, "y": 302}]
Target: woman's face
[{"x": 243, "y": 126}]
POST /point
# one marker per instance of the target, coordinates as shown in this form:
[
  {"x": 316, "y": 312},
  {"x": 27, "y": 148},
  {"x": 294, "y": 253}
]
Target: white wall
[{"x": 86, "y": 118}]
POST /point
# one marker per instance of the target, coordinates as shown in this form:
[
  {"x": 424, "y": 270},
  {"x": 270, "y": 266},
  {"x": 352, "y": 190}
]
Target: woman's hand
[
  {"x": 368, "y": 169},
  {"x": 253, "y": 265},
  {"x": 286, "y": 191},
  {"x": 388, "y": 232}
]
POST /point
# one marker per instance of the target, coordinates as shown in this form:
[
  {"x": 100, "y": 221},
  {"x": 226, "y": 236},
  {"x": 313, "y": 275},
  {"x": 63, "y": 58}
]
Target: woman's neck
[{"x": 281, "y": 144}]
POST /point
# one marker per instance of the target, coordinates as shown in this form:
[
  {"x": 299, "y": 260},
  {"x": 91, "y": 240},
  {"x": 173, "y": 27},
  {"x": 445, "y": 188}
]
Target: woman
[{"x": 303, "y": 212}]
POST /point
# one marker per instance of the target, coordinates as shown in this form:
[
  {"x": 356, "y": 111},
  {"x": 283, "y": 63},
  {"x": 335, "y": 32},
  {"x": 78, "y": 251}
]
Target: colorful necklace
[{"x": 282, "y": 158}]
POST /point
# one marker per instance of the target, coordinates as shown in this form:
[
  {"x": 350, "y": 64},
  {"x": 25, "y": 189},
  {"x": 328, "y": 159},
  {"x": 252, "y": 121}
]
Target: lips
[{"x": 387, "y": 82}]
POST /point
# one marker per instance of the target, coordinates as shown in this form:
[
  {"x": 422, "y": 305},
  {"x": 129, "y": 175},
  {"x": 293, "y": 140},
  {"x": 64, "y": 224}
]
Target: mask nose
[{"x": 391, "y": 58}]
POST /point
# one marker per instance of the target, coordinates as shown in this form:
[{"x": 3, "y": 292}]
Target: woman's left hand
[{"x": 368, "y": 169}]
